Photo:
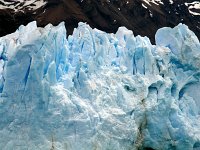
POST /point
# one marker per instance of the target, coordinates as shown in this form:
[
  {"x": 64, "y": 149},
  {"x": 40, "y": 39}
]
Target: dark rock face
[{"x": 144, "y": 17}]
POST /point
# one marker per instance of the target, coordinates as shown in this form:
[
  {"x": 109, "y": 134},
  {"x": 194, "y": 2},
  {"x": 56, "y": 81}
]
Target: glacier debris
[{"x": 99, "y": 91}]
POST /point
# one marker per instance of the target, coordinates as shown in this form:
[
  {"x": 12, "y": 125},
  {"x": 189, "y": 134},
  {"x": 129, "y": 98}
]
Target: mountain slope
[{"x": 144, "y": 17}]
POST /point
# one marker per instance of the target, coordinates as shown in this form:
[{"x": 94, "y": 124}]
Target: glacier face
[{"x": 99, "y": 91}]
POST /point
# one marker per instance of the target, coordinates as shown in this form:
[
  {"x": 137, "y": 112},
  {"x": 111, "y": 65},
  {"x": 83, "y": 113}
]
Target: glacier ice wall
[{"x": 99, "y": 91}]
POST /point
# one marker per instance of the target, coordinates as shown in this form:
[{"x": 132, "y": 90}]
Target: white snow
[
  {"x": 156, "y": 2},
  {"x": 171, "y": 1},
  {"x": 144, "y": 6},
  {"x": 20, "y": 5},
  {"x": 192, "y": 6}
]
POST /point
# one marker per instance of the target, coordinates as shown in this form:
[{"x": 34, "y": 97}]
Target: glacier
[{"x": 99, "y": 91}]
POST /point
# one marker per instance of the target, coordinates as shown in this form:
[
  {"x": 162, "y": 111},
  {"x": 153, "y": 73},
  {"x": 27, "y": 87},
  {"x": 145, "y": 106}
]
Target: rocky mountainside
[{"x": 144, "y": 17}]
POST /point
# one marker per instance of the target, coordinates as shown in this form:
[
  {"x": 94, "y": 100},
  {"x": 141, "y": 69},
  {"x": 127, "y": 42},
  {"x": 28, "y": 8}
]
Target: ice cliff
[{"x": 99, "y": 91}]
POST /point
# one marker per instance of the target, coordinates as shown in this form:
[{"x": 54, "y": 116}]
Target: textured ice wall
[{"x": 99, "y": 91}]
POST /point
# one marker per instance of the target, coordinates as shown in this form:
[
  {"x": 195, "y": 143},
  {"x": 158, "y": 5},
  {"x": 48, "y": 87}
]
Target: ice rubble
[{"x": 99, "y": 91}]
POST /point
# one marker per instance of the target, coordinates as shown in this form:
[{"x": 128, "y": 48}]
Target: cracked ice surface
[{"x": 99, "y": 91}]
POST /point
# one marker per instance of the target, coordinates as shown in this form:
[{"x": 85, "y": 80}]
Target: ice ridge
[{"x": 100, "y": 91}]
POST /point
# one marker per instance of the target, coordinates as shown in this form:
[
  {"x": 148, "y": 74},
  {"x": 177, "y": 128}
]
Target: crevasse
[{"x": 99, "y": 91}]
